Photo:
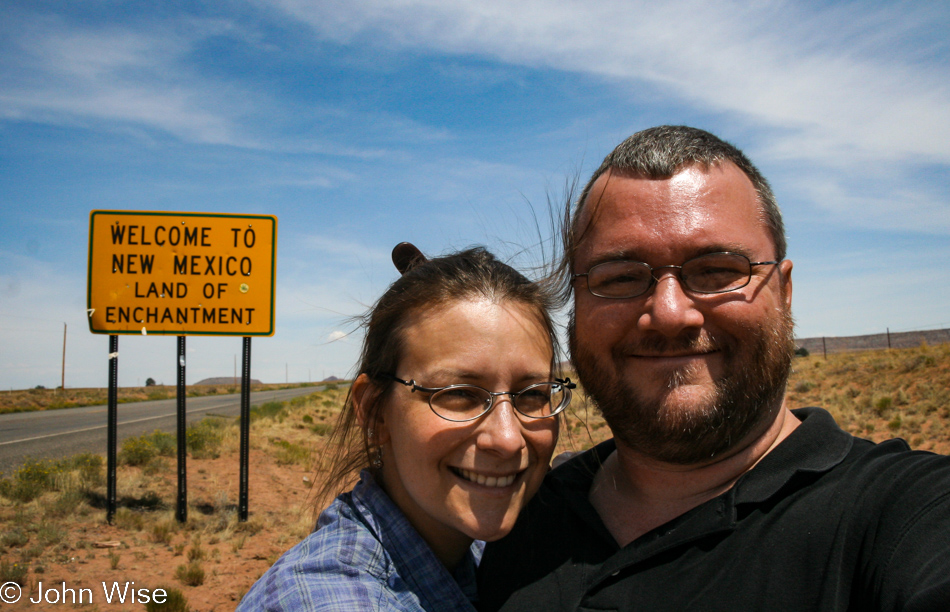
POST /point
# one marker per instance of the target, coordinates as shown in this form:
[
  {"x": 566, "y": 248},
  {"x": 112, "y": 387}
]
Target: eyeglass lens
[
  {"x": 711, "y": 273},
  {"x": 463, "y": 402}
]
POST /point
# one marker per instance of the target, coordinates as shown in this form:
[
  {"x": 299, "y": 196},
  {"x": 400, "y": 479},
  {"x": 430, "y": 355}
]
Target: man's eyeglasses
[
  {"x": 709, "y": 273},
  {"x": 468, "y": 402}
]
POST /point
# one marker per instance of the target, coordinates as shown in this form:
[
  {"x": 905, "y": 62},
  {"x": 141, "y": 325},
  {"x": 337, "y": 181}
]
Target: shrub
[
  {"x": 191, "y": 574},
  {"x": 67, "y": 503},
  {"x": 32, "y": 479},
  {"x": 322, "y": 429},
  {"x": 174, "y": 602},
  {"x": 804, "y": 386},
  {"x": 289, "y": 453},
  {"x": 50, "y": 534},
  {"x": 196, "y": 553},
  {"x": 149, "y": 382},
  {"x": 14, "y": 538},
  {"x": 162, "y": 533},
  {"x": 204, "y": 438},
  {"x": 919, "y": 361},
  {"x": 801, "y": 352},
  {"x": 13, "y": 572},
  {"x": 90, "y": 469},
  {"x": 270, "y": 410},
  {"x": 164, "y": 443},
  {"x": 137, "y": 451},
  {"x": 882, "y": 404}
]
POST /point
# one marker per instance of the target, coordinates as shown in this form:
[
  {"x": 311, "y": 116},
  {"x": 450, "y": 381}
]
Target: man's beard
[{"x": 748, "y": 394}]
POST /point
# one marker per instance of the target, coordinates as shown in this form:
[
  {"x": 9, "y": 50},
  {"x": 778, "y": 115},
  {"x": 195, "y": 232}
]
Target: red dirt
[{"x": 277, "y": 506}]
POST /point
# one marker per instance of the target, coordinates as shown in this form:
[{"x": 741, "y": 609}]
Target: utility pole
[{"x": 62, "y": 382}]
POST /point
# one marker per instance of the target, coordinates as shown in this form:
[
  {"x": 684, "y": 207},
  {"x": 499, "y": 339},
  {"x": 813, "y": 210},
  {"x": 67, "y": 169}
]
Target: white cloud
[
  {"x": 829, "y": 75},
  {"x": 845, "y": 87},
  {"x": 336, "y": 335},
  {"x": 72, "y": 76}
]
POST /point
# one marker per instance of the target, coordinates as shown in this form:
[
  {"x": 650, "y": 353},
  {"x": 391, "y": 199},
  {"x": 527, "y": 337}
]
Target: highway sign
[{"x": 178, "y": 273}]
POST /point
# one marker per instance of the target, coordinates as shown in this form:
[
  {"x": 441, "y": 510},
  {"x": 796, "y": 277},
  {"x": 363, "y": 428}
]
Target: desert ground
[{"x": 52, "y": 516}]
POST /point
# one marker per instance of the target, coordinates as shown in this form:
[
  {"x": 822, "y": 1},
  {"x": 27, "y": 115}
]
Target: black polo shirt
[{"x": 825, "y": 521}]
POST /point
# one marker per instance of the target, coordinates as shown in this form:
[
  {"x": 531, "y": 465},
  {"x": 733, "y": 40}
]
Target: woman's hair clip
[{"x": 406, "y": 257}]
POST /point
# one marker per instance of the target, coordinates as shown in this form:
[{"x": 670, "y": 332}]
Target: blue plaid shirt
[{"x": 364, "y": 555}]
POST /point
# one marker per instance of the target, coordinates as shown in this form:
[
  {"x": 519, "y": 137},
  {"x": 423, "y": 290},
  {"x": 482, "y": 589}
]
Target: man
[{"x": 713, "y": 494}]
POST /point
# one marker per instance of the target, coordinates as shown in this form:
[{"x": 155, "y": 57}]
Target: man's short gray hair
[{"x": 658, "y": 153}]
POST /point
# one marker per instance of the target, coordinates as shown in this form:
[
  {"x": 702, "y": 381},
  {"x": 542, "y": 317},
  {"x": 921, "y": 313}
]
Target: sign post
[
  {"x": 181, "y": 504},
  {"x": 112, "y": 418},
  {"x": 245, "y": 428},
  {"x": 177, "y": 273}
]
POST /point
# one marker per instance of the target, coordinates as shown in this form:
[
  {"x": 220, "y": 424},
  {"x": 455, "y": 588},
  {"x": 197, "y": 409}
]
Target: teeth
[{"x": 488, "y": 481}]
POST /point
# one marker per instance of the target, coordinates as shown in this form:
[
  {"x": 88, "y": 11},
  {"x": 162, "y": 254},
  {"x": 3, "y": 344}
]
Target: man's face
[{"x": 681, "y": 377}]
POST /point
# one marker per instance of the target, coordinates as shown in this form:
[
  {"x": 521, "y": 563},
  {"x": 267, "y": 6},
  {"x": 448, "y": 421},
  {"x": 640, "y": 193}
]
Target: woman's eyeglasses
[{"x": 468, "y": 402}]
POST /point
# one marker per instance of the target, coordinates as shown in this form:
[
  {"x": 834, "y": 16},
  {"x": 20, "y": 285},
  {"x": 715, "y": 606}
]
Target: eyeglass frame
[
  {"x": 654, "y": 280},
  {"x": 565, "y": 382}
]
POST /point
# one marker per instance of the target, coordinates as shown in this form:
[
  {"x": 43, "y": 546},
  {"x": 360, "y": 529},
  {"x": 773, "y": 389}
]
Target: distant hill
[{"x": 225, "y": 380}]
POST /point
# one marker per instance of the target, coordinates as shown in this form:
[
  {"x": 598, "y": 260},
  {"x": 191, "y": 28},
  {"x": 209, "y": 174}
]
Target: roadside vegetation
[
  {"x": 881, "y": 394},
  {"x": 52, "y": 513},
  {"x": 28, "y": 400}
]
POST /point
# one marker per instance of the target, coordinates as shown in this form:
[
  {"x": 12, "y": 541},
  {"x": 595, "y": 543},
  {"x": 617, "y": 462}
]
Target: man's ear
[
  {"x": 786, "y": 280},
  {"x": 365, "y": 395}
]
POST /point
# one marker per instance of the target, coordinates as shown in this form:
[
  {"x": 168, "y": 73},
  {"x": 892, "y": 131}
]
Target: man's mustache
[{"x": 662, "y": 346}]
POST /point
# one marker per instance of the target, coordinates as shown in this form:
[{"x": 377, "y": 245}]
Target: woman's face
[{"x": 432, "y": 467}]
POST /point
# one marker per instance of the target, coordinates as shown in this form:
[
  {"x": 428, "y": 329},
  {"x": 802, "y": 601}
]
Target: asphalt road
[{"x": 54, "y": 434}]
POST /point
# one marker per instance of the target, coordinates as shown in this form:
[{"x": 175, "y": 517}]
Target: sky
[{"x": 360, "y": 124}]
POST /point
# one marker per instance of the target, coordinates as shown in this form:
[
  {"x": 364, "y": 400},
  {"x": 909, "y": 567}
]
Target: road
[{"x": 54, "y": 434}]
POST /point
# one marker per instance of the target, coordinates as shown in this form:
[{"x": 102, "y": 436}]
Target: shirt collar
[
  {"x": 417, "y": 563},
  {"x": 817, "y": 445}
]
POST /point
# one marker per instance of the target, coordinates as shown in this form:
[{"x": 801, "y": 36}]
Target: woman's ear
[{"x": 368, "y": 414}]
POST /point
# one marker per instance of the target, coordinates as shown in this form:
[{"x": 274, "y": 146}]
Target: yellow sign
[{"x": 181, "y": 273}]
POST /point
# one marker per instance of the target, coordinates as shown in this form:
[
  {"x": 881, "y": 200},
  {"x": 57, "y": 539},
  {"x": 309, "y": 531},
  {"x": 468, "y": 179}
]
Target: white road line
[{"x": 63, "y": 433}]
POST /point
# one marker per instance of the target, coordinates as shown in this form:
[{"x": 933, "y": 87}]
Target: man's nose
[{"x": 669, "y": 309}]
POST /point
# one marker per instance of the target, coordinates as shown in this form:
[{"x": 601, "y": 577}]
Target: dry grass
[
  {"x": 27, "y": 400},
  {"x": 881, "y": 394},
  {"x": 52, "y": 514}
]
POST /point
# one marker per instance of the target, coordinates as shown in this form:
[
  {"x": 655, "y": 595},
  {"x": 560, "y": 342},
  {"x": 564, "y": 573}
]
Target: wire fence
[{"x": 840, "y": 344}]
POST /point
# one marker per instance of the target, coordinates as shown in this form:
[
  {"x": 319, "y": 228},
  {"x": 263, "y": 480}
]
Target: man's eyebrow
[
  {"x": 618, "y": 255},
  {"x": 730, "y": 247},
  {"x": 636, "y": 255}
]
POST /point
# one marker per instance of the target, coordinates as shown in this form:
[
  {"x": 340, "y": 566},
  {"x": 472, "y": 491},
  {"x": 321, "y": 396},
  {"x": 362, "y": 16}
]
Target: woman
[{"x": 453, "y": 420}]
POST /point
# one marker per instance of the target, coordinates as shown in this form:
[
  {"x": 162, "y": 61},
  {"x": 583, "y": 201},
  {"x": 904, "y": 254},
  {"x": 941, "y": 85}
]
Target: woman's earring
[{"x": 375, "y": 451}]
